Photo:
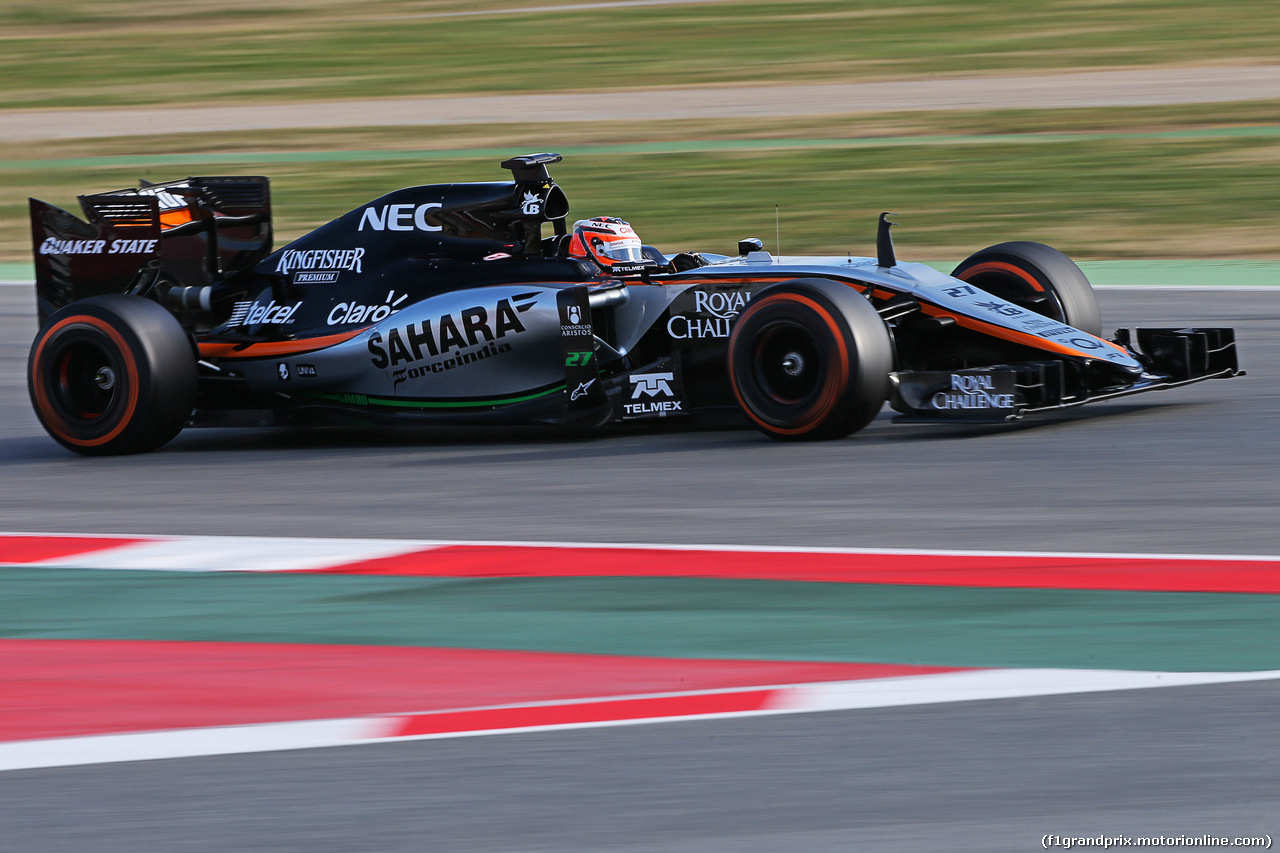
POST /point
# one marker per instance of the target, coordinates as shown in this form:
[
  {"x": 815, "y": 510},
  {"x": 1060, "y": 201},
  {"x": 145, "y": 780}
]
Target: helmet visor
[{"x": 624, "y": 249}]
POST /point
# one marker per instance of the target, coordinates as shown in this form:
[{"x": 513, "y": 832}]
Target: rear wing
[{"x": 188, "y": 232}]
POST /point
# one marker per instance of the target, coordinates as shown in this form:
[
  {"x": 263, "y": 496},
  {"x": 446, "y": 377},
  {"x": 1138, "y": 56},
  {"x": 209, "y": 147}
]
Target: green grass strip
[
  {"x": 661, "y": 147},
  {"x": 659, "y": 617},
  {"x": 1173, "y": 273}
]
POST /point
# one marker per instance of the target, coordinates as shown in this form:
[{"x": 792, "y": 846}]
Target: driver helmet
[{"x": 609, "y": 242}]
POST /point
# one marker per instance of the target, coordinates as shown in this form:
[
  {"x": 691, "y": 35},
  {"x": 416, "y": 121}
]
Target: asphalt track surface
[
  {"x": 1190, "y": 470},
  {"x": 984, "y": 776}
]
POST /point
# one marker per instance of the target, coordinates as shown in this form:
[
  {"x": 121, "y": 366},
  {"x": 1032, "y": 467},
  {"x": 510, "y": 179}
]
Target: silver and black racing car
[{"x": 478, "y": 303}]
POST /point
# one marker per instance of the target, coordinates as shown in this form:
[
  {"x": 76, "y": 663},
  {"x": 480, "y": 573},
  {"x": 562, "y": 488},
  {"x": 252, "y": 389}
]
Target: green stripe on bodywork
[
  {"x": 658, "y": 617},
  {"x": 432, "y": 404}
]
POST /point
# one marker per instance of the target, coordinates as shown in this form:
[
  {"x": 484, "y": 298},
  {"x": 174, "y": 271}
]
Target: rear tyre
[
  {"x": 810, "y": 359},
  {"x": 112, "y": 374},
  {"x": 1036, "y": 277}
]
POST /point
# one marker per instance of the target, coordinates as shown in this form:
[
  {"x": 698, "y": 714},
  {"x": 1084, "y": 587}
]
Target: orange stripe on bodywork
[
  {"x": 1016, "y": 337},
  {"x": 728, "y": 279},
  {"x": 273, "y": 348}
]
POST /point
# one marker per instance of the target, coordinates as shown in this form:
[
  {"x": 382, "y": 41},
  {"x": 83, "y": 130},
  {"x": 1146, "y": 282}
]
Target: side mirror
[{"x": 749, "y": 245}]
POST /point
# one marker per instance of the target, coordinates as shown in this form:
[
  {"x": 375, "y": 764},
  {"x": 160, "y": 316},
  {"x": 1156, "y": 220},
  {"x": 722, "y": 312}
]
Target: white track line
[
  {"x": 975, "y": 685},
  {"x": 236, "y": 554},
  {"x": 982, "y": 684},
  {"x": 262, "y": 553}
]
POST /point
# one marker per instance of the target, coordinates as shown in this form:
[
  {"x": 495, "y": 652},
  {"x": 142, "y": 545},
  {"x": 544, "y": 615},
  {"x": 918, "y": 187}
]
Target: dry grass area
[
  {"x": 237, "y": 51},
  {"x": 1100, "y": 183},
  {"x": 1181, "y": 185}
]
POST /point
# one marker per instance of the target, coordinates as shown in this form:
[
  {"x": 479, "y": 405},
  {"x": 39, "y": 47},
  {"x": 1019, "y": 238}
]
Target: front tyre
[
  {"x": 112, "y": 374},
  {"x": 810, "y": 359},
  {"x": 1036, "y": 277}
]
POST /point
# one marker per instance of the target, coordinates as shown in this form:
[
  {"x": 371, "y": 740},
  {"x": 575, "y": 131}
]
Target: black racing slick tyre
[
  {"x": 1036, "y": 277},
  {"x": 112, "y": 374},
  {"x": 810, "y": 359}
]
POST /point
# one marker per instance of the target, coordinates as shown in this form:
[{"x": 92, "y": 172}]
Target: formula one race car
[{"x": 449, "y": 303}]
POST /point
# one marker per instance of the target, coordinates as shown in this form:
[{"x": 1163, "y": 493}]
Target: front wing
[{"x": 1007, "y": 392}]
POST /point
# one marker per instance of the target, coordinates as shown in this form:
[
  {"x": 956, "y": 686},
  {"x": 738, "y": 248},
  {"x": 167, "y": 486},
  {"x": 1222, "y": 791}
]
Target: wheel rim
[
  {"x": 787, "y": 364},
  {"x": 86, "y": 381}
]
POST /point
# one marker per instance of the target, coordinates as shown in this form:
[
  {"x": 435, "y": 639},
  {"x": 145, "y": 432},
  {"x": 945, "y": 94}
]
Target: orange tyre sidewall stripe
[
  {"x": 1001, "y": 266},
  {"x": 131, "y": 369},
  {"x": 832, "y": 389}
]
